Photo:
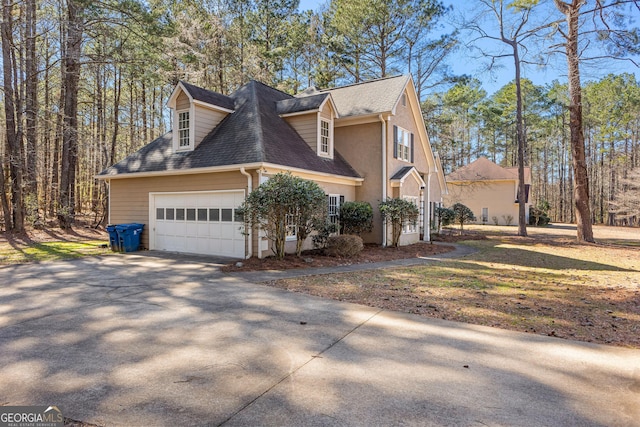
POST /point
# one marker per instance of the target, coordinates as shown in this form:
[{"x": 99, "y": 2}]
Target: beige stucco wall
[
  {"x": 129, "y": 198},
  {"x": 361, "y": 146},
  {"x": 404, "y": 118},
  {"x": 498, "y": 196}
]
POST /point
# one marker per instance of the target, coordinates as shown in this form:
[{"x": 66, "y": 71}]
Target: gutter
[
  {"x": 249, "y": 190},
  {"x": 384, "y": 174}
]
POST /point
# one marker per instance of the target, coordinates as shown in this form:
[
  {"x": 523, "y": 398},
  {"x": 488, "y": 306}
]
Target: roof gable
[
  {"x": 371, "y": 97},
  {"x": 401, "y": 175},
  {"x": 482, "y": 169},
  {"x": 204, "y": 96}
]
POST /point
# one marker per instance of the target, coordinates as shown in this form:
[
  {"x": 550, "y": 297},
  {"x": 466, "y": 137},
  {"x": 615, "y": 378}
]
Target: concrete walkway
[{"x": 151, "y": 340}]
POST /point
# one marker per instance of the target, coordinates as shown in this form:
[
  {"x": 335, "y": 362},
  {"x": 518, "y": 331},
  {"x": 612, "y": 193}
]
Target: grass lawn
[
  {"x": 51, "y": 245},
  {"x": 543, "y": 284}
]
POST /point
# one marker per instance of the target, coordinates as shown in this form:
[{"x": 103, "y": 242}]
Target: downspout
[
  {"x": 259, "y": 230},
  {"x": 427, "y": 210},
  {"x": 108, "y": 182},
  {"x": 249, "y": 190},
  {"x": 384, "y": 174}
]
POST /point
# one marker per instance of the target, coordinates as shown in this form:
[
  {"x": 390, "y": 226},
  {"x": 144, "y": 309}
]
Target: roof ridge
[
  {"x": 256, "y": 110},
  {"x": 364, "y": 82},
  {"x": 272, "y": 88}
]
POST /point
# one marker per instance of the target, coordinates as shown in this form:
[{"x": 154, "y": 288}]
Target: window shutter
[
  {"x": 411, "y": 148},
  {"x": 395, "y": 141}
]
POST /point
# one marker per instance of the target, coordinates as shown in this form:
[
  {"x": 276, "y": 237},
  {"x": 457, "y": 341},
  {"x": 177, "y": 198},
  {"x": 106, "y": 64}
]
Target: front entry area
[{"x": 202, "y": 222}]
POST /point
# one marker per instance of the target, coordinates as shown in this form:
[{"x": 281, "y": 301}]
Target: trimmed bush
[
  {"x": 462, "y": 214},
  {"x": 356, "y": 218},
  {"x": 398, "y": 212},
  {"x": 344, "y": 245}
]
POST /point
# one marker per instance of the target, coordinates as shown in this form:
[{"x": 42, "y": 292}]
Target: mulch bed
[{"x": 315, "y": 258}]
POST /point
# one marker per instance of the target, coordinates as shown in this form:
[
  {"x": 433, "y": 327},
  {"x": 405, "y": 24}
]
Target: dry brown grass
[{"x": 543, "y": 284}]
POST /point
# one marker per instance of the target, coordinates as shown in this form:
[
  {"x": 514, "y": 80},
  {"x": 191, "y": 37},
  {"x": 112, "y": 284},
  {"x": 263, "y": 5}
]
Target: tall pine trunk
[
  {"x": 14, "y": 214},
  {"x": 581, "y": 177},
  {"x": 31, "y": 112},
  {"x": 66, "y": 209}
]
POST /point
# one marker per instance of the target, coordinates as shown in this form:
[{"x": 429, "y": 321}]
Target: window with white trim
[
  {"x": 403, "y": 144},
  {"x": 325, "y": 137},
  {"x": 184, "y": 137},
  {"x": 410, "y": 226},
  {"x": 291, "y": 228},
  {"x": 334, "y": 208}
]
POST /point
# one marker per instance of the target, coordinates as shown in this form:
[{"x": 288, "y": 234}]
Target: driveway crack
[{"x": 291, "y": 373}]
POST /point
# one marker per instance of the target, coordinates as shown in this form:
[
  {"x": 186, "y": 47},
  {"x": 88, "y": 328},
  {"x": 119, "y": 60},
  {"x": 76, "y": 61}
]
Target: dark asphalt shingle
[
  {"x": 210, "y": 97},
  {"x": 254, "y": 133}
]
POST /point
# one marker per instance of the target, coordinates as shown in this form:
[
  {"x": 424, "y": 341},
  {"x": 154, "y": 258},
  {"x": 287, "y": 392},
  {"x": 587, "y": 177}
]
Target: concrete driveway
[{"x": 160, "y": 340}]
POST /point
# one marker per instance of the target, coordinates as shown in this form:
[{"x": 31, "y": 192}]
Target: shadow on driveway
[{"x": 161, "y": 340}]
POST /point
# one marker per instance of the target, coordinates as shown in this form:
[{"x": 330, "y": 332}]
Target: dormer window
[
  {"x": 184, "y": 139},
  {"x": 325, "y": 138}
]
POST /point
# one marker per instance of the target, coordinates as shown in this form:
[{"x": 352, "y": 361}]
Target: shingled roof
[
  {"x": 371, "y": 97},
  {"x": 253, "y": 133},
  {"x": 306, "y": 103},
  {"x": 482, "y": 169},
  {"x": 207, "y": 96}
]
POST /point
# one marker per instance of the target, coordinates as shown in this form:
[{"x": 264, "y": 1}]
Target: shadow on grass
[{"x": 491, "y": 251}]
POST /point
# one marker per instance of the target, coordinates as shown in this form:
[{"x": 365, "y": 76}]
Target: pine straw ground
[{"x": 543, "y": 284}]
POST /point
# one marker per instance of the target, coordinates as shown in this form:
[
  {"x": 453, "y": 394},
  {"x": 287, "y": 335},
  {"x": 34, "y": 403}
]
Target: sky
[{"x": 471, "y": 62}]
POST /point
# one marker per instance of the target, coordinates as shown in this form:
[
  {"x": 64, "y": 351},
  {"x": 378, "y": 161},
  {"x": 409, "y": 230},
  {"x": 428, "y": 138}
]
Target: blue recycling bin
[
  {"x": 129, "y": 236},
  {"x": 114, "y": 241}
]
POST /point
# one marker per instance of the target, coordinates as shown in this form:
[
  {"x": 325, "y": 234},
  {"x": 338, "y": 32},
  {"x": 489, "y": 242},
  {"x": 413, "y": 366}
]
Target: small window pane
[
  {"x": 227, "y": 215},
  {"x": 159, "y": 213},
  {"x": 191, "y": 214},
  {"x": 202, "y": 214},
  {"x": 170, "y": 214},
  {"x": 238, "y": 217},
  {"x": 180, "y": 214},
  {"x": 214, "y": 214}
]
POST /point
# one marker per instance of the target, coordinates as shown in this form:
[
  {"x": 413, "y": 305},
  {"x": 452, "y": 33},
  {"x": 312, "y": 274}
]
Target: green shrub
[
  {"x": 323, "y": 229},
  {"x": 398, "y": 212},
  {"x": 282, "y": 196},
  {"x": 344, "y": 245},
  {"x": 356, "y": 218},
  {"x": 462, "y": 214},
  {"x": 538, "y": 217},
  {"x": 446, "y": 216}
]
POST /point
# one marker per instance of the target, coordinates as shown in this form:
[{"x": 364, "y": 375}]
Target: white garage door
[{"x": 198, "y": 222}]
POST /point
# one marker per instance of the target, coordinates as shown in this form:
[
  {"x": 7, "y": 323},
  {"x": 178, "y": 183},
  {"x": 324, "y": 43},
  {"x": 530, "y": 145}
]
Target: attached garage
[{"x": 202, "y": 222}]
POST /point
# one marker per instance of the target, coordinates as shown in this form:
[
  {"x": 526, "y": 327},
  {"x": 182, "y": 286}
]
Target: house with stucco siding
[
  {"x": 489, "y": 190},
  {"x": 363, "y": 142}
]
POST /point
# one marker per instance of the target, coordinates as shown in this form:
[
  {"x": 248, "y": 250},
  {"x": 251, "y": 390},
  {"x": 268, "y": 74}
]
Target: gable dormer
[
  {"x": 312, "y": 115},
  {"x": 196, "y": 112}
]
